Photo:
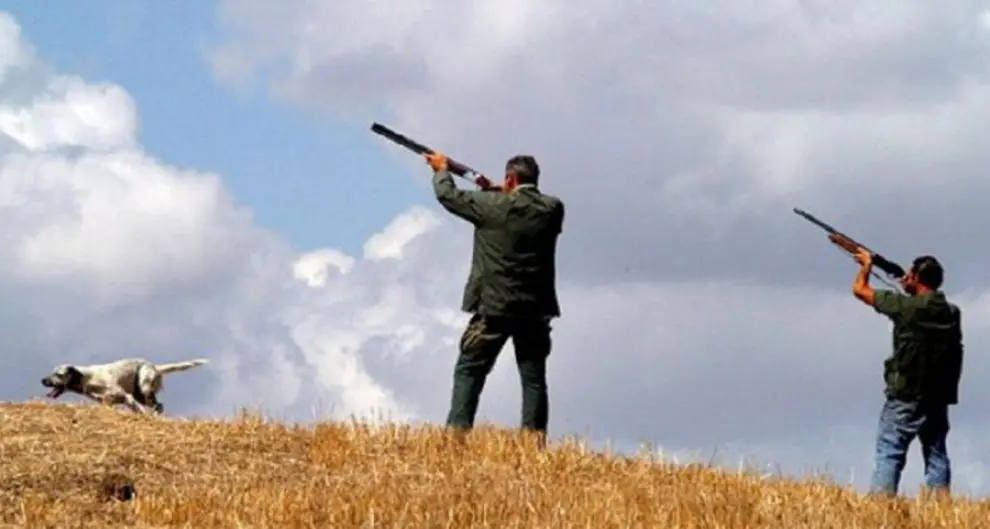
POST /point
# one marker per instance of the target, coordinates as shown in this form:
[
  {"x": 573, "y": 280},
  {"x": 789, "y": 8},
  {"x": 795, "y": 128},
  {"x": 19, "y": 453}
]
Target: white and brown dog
[{"x": 134, "y": 382}]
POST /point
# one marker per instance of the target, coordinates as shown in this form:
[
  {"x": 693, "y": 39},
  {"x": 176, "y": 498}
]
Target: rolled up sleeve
[{"x": 889, "y": 303}]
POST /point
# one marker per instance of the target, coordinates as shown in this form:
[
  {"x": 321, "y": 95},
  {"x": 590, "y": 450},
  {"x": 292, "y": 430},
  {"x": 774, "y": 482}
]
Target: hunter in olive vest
[
  {"x": 511, "y": 288},
  {"x": 921, "y": 376}
]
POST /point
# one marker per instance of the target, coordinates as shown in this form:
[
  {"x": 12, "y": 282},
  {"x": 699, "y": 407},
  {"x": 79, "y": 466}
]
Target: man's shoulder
[
  {"x": 939, "y": 298},
  {"x": 953, "y": 307},
  {"x": 552, "y": 202},
  {"x": 895, "y": 302},
  {"x": 533, "y": 195},
  {"x": 891, "y": 302},
  {"x": 905, "y": 300},
  {"x": 883, "y": 295}
]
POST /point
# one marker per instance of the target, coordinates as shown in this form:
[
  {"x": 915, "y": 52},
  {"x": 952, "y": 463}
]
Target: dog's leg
[
  {"x": 151, "y": 401},
  {"x": 133, "y": 404},
  {"x": 156, "y": 404},
  {"x": 105, "y": 400},
  {"x": 149, "y": 384}
]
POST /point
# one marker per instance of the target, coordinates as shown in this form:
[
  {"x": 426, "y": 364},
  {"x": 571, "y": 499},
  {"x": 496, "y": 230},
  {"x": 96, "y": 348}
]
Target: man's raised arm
[{"x": 476, "y": 207}]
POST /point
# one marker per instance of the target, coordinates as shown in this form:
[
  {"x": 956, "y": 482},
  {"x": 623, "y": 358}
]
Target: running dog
[{"x": 134, "y": 382}]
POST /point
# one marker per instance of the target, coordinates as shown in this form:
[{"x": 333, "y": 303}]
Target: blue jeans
[{"x": 900, "y": 422}]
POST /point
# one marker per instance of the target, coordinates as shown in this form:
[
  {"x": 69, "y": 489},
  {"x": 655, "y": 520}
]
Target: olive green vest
[{"x": 926, "y": 362}]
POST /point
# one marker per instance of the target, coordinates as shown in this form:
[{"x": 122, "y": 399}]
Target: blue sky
[{"x": 317, "y": 182}]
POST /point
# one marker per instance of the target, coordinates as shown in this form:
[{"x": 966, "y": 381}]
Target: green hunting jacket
[
  {"x": 926, "y": 363},
  {"x": 513, "y": 264}
]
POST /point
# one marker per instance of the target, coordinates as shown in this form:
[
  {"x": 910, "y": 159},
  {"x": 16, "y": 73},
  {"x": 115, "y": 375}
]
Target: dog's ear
[{"x": 74, "y": 376}]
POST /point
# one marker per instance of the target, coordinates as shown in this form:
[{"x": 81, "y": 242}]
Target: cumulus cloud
[
  {"x": 73, "y": 113},
  {"x": 389, "y": 244},
  {"x": 315, "y": 268},
  {"x": 698, "y": 311}
]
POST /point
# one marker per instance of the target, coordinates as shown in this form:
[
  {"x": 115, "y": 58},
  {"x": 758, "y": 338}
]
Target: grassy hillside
[{"x": 60, "y": 464}]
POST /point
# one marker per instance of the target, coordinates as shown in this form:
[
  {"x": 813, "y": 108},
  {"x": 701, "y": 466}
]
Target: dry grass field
[{"x": 73, "y": 466}]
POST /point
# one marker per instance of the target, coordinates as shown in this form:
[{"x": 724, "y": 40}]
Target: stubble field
[{"x": 76, "y": 466}]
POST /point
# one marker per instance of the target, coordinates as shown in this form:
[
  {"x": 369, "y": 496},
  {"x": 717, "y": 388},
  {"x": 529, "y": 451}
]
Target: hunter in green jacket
[{"x": 511, "y": 290}]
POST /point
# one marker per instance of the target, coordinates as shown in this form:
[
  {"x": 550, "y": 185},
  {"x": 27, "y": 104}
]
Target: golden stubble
[{"x": 61, "y": 464}]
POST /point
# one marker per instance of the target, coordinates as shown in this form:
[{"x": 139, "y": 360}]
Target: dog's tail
[{"x": 181, "y": 366}]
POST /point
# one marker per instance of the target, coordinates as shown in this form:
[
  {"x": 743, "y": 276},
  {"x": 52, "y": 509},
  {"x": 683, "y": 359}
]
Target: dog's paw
[{"x": 159, "y": 408}]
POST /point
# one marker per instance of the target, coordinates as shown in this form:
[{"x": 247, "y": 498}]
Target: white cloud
[
  {"x": 73, "y": 113},
  {"x": 13, "y": 52},
  {"x": 117, "y": 219},
  {"x": 315, "y": 268},
  {"x": 389, "y": 243}
]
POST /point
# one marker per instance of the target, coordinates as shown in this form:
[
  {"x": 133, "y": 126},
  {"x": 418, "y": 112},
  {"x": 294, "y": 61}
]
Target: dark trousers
[
  {"x": 900, "y": 422},
  {"x": 480, "y": 346}
]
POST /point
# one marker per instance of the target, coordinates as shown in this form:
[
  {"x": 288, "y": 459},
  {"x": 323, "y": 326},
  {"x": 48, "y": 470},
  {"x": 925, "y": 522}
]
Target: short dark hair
[
  {"x": 928, "y": 271},
  {"x": 526, "y": 168}
]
